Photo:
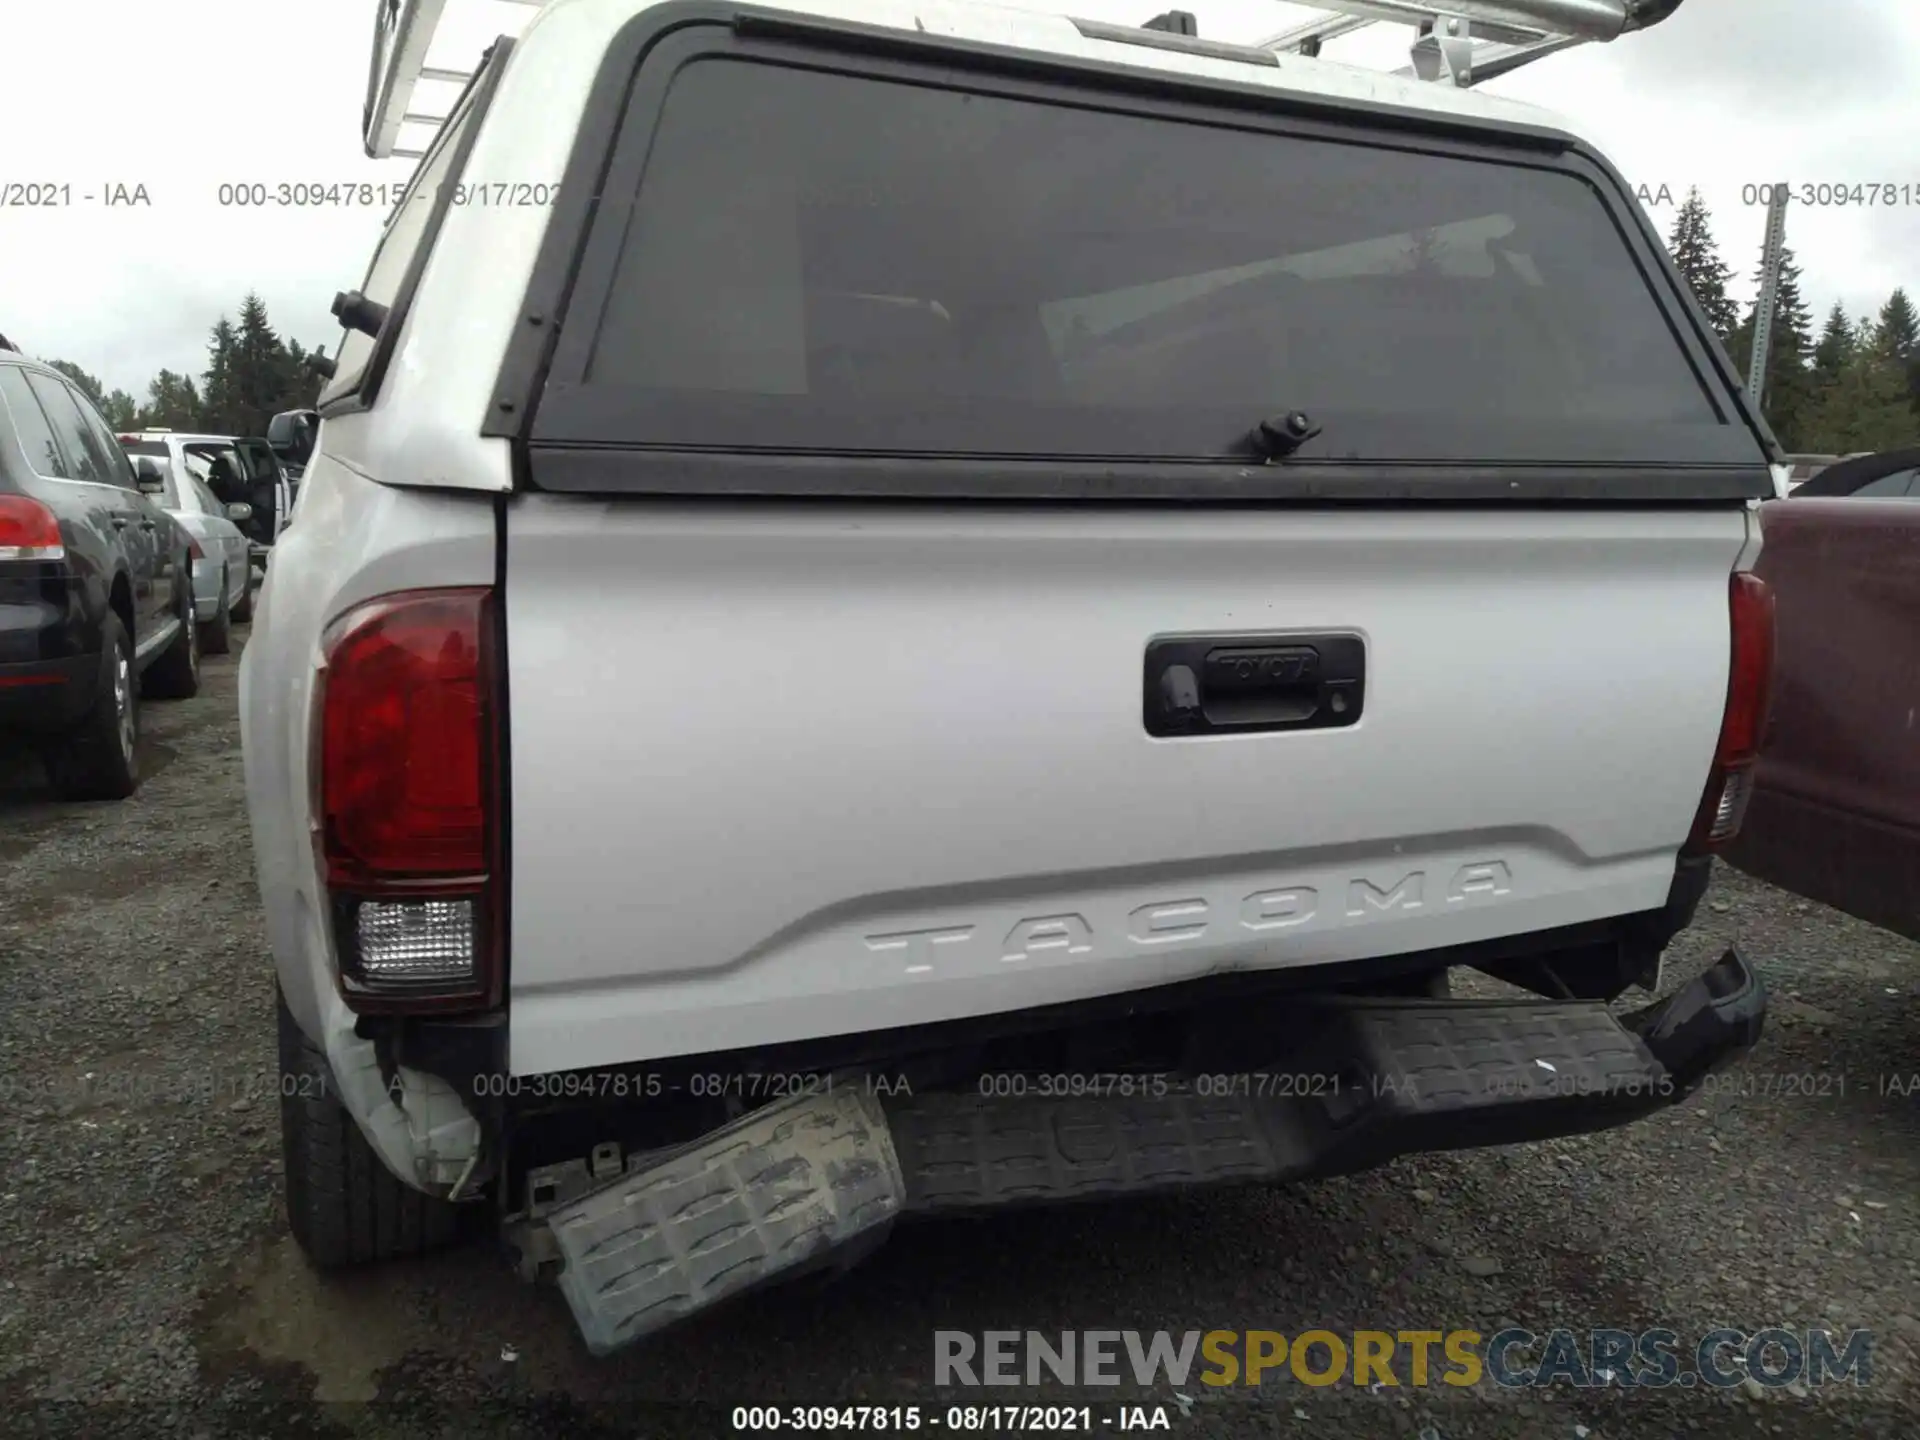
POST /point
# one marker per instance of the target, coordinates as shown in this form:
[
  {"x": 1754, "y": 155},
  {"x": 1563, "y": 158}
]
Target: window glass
[
  {"x": 70, "y": 425},
  {"x": 268, "y": 466},
  {"x": 220, "y": 466},
  {"x": 119, "y": 467},
  {"x": 202, "y": 498},
  {"x": 1898, "y": 485},
  {"x": 31, "y": 427},
  {"x": 813, "y": 249}
]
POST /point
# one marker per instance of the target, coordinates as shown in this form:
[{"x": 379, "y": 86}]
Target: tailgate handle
[
  {"x": 1268, "y": 684},
  {"x": 1207, "y": 685}
]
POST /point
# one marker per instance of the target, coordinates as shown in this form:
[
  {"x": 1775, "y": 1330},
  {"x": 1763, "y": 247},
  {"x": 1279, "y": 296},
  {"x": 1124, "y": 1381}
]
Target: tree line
[
  {"x": 252, "y": 374},
  {"x": 1855, "y": 386}
]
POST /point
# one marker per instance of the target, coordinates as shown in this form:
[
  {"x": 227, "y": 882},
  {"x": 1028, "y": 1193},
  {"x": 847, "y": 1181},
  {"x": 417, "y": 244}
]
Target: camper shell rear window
[{"x": 861, "y": 257}]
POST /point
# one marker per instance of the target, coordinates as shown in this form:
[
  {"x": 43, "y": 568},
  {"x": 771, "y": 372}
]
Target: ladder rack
[
  {"x": 1458, "y": 42},
  {"x": 403, "y": 33},
  {"x": 1463, "y": 42}
]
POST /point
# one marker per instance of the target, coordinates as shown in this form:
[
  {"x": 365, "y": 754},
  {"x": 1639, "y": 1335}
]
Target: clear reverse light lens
[{"x": 415, "y": 939}]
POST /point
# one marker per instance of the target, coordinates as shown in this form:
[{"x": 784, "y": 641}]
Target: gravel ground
[{"x": 148, "y": 1285}]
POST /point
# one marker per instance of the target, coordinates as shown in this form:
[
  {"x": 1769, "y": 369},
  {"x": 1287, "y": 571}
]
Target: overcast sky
[{"x": 182, "y": 96}]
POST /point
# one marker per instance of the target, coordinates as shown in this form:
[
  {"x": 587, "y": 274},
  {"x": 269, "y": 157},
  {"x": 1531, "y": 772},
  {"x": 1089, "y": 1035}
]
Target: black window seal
[
  {"x": 639, "y": 420},
  {"x": 470, "y": 111},
  {"x": 916, "y": 479},
  {"x": 723, "y": 30}
]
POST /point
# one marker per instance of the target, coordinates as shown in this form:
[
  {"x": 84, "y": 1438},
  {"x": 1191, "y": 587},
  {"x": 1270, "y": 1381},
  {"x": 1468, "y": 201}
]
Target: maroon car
[{"x": 1836, "y": 812}]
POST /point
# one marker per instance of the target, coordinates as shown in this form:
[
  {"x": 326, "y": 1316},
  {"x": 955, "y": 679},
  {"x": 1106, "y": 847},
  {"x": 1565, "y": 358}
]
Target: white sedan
[{"x": 223, "y": 571}]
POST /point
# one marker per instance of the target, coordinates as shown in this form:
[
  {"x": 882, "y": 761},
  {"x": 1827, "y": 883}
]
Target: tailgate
[{"x": 787, "y": 770}]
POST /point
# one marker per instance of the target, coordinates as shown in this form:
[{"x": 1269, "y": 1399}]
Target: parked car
[
  {"x": 1802, "y": 468},
  {"x": 818, "y": 686},
  {"x": 1887, "y": 475},
  {"x": 1836, "y": 810},
  {"x": 96, "y": 604},
  {"x": 223, "y": 574},
  {"x": 248, "y": 473}
]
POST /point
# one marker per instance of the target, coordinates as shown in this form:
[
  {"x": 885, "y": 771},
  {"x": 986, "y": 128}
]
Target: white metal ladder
[
  {"x": 403, "y": 32},
  {"x": 1463, "y": 42},
  {"x": 1459, "y": 42}
]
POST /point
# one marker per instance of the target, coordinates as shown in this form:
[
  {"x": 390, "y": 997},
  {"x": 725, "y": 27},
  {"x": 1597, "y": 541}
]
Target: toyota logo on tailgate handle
[{"x": 1212, "y": 684}]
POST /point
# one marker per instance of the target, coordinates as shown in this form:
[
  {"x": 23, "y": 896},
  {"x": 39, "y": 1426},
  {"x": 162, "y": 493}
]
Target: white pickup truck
[{"x": 904, "y": 606}]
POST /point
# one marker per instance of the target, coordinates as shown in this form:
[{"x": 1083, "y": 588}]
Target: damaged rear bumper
[{"x": 818, "y": 1178}]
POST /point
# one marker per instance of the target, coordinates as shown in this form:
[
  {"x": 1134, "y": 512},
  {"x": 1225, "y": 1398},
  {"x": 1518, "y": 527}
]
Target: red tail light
[
  {"x": 1743, "y": 725},
  {"x": 29, "y": 530},
  {"x": 407, "y": 800},
  {"x": 194, "y": 552}
]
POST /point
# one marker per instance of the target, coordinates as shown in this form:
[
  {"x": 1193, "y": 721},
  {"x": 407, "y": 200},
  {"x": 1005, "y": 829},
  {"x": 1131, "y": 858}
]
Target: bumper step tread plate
[
  {"x": 778, "y": 1189},
  {"x": 765, "y": 1195},
  {"x": 962, "y": 1152},
  {"x": 1381, "y": 1078}
]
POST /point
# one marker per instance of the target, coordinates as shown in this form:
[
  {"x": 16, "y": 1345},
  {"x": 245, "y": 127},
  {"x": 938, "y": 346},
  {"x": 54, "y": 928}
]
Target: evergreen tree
[
  {"x": 121, "y": 409},
  {"x": 173, "y": 404},
  {"x": 252, "y": 374},
  {"x": 260, "y": 369},
  {"x": 1697, "y": 257},
  {"x": 298, "y": 384},
  {"x": 1899, "y": 328},
  {"x": 1836, "y": 347},
  {"x": 1790, "y": 392},
  {"x": 1902, "y": 326},
  {"x": 1868, "y": 407},
  {"x": 219, "y": 395},
  {"x": 1840, "y": 343},
  {"x": 296, "y": 372}
]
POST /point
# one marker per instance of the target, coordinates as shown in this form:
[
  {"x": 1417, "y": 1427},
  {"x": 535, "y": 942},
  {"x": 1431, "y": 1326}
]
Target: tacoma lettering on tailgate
[{"x": 1187, "y": 918}]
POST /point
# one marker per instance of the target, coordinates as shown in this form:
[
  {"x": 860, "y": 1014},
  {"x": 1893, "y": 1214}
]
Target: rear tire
[
  {"x": 176, "y": 674},
  {"x": 216, "y": 638},
  {"x": 343, "y": 1205},
  {"x": 97, "y": 760}
]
